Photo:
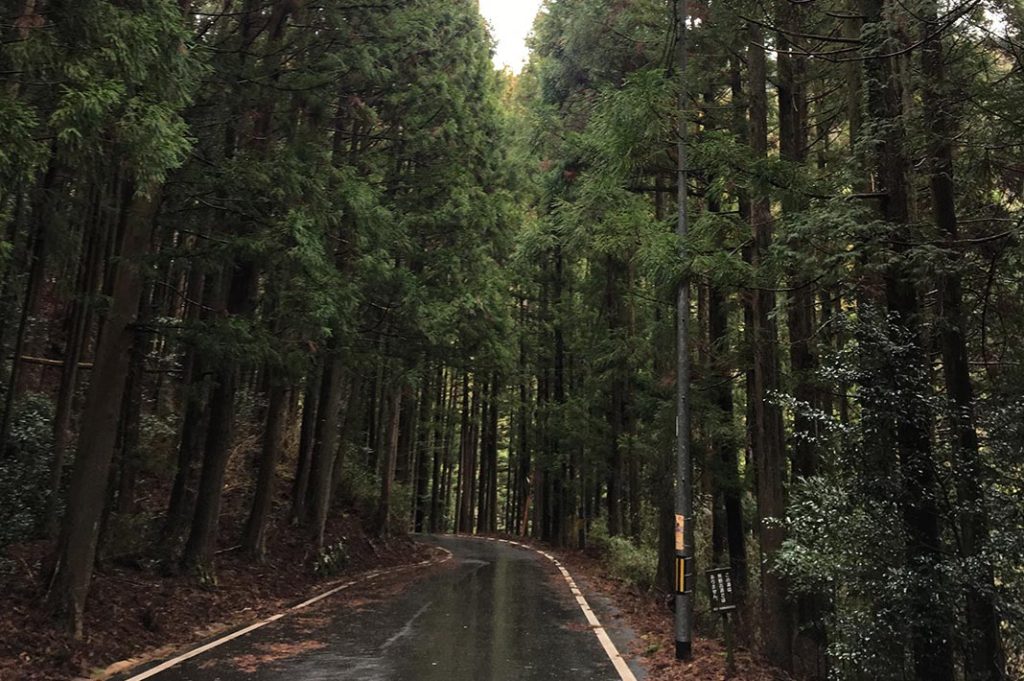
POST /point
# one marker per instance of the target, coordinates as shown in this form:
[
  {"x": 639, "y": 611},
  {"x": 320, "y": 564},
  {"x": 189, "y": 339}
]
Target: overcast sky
[{"x": 511, "y": 21}]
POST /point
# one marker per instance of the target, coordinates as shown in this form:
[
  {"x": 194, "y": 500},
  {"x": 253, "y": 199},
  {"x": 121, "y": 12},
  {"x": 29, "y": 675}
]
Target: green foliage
[
  {"x": 1002, "y": 421},
  {"x": 846, "y": 534},
  {"x": 359, "y": 486},
  {"x": 118, "y": 79},
  {"x": 401, "y": 510},
  {"x": 331, "y": 561},
  {"x": 847, "y": 547},
  {"x": 25, "y": 472},
  {"x": 624, "y": 559},
  {"x": 20, "y": 154},
  {"x": 385, "y": 197},
  {"x": 633, "y": 123},
  {"x": 158, "y": 439},
  {"x": 205, "y": 576}
]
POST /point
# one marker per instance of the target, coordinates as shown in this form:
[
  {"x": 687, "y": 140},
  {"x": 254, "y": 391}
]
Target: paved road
[{"x": 494, "y": 613}]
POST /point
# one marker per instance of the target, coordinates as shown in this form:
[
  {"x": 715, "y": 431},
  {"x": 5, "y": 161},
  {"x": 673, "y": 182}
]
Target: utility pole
[{"x": 684, "y": 549}]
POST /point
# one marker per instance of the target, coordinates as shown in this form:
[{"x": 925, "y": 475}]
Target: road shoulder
[{"x": 151, "y": 662}]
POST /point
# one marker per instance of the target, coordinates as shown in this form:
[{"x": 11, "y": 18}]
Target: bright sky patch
[{"x": 511, "y": 22}]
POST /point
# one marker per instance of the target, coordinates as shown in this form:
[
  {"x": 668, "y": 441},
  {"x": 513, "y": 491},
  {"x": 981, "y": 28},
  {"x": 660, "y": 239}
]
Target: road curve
[{"x": 494, "y": 613}]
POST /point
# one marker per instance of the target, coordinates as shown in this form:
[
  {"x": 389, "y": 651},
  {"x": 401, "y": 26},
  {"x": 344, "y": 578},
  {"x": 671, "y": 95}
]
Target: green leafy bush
[
  {"x": 1002, "y": 422},
  {"x": 847, "y": 540},
  {"x": 158, "y": 441},
  {"x": 357, "y": 483},
  {"x": 25, "y": 472},
  {"x": 331, "y": 560},
  {"x": 625, "y": 560}
]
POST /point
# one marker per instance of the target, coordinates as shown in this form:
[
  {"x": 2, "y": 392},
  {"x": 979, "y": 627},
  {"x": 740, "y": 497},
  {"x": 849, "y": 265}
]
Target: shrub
[
  {"x": 637, "y": 565},
  {"x": 25, "y": 472},
  {"x": 158, "y": 437},
  {"x": 129, "y": 534},
  {"x": 331, "y": 560},
  {"x": 357, "y": 484}
]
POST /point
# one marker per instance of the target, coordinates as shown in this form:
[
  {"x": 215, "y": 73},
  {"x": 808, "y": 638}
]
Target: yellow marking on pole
[{"x": 680, "y": 575}]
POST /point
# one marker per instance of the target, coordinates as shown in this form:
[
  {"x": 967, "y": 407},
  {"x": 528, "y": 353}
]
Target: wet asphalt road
[{"x": 496, "y": 612}]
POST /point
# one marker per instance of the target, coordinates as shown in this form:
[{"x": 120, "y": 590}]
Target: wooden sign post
[{"x": 723, "y": 600}]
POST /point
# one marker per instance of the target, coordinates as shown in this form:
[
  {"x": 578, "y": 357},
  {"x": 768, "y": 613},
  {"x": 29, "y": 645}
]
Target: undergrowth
[{"x": 637, "y": 565}]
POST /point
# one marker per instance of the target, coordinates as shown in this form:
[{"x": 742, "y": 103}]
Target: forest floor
[
  {"x": 648, "y": 616},
  {"x": 135, "y": 609}
]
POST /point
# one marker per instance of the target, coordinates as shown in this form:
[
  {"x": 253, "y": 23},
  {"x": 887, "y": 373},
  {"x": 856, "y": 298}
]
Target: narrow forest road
[{"x": 494, "y": 612}]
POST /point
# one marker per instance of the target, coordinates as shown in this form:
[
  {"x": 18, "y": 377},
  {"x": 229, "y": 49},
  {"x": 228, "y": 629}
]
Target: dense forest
[{"x": 321, "y": 255}]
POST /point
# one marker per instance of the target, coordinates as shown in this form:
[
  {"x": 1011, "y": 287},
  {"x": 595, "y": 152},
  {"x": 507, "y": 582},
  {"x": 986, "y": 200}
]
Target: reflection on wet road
[{"x": 496, "y": 613}]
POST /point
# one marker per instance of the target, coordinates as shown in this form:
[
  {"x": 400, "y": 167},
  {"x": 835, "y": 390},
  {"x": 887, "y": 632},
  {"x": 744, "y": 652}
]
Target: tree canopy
[{"x": 310, "y": 258}]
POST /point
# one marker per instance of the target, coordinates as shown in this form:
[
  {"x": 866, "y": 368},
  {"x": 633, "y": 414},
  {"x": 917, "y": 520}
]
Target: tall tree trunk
[
  {"x": 201, "y": 544},
  {"x": 488, "y": 495},
  {"x": 78, "y": 327},
  {"x": 615, "y": 462},
  {"x": 307, "y": 438},
  {"x": 195, "y": 388},
  {"x": 8, "y": 299},
  {"x": 800, "y": 310},
  {"x": 560, "y": 490},
  {"x": 628, "y": 321},
  {"x": 326, "y": 441},
  {"x": 492, "y": 454},
  {"x": 438, "y": 489},
  {"x": 131, "y": 425},
  {"x": 407, "y": 438},
  {"x": 810, "y": 644},
  {"x": 352, "y": 387},
  {"x": 202, "y": 540},
  {"x": 540, "y": 482},
  {"x": 928, "y": 629},
  {"x": 724, "y": 445},
  {"x": 474, "y": 451},
  {"x": 254, "y": 536},
  {"x": 984, "y": 658},
  {"x": 768, "y": 449},
  {"x": 131, "y": 420},
  {"x": 446, "y": 510},
  {"x": 483, "y": 492},
  {"x": 464, "y": 522},
  {"x": 35, "y": 254},
  {"x": 431, "y": 410},
  {"x": 80, "y": 530},
  {"x": 525, "y": 463},
  {"x": 387, "y": 477}
]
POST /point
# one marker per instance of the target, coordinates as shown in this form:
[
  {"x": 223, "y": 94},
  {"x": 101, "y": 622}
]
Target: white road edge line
[
  {"x": 619, "y": 662},
  {"x": 149, "y": 673}
]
